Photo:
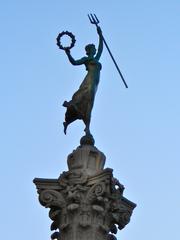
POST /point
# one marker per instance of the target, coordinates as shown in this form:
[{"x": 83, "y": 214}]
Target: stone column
[{"x": 86, "y": 202}]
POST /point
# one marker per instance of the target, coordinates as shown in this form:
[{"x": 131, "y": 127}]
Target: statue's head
[{"x": 90, "y": 49}]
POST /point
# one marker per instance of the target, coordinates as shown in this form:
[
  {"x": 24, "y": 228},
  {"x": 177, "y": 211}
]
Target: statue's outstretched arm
[
  {"x": 100, "y": 47},
  {"x": 73, "y": 61}
]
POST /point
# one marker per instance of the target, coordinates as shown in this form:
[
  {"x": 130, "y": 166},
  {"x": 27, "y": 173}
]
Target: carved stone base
[{"x": 86, "y": 202}]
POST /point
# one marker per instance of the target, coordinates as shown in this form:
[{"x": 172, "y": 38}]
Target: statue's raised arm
[
  {"x": 72, "y": 60},
  {"x": 100, "y": 47}
]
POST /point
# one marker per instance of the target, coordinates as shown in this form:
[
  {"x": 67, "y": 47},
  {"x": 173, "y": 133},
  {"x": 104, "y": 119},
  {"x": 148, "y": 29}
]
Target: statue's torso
[{"x": 93, "y": 65}]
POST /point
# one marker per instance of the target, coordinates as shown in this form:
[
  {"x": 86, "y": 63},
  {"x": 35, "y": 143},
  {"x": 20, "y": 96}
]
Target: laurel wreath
[{"x": 73, "y": 40}]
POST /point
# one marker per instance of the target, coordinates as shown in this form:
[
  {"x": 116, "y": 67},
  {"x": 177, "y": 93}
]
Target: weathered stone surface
[
  {"x": 86, "y": 202},
  {"x": 87, "y": 160}
]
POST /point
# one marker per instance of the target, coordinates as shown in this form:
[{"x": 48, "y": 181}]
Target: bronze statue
[{"x": 81, "y": 104}]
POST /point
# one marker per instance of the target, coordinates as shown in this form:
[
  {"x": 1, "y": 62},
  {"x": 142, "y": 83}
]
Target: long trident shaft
[{"x": 94, "y": 20}]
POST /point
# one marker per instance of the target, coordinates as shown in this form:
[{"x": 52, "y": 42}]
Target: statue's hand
[
  {"x": 99, "y": 31},
  {"x": 67, "y": 51}
]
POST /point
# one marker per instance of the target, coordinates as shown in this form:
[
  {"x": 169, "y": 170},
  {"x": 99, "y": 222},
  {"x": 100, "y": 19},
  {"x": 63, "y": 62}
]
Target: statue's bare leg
[
  {"x": 87, "y": 123},
  {"x": 65, "y": 127}
]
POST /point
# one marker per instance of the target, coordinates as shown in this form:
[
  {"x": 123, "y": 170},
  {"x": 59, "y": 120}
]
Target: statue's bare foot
[
  {"x": 87, "y": 131},
  {"x": 65, "y": 127},
  {"x": 65, "y": 104}
]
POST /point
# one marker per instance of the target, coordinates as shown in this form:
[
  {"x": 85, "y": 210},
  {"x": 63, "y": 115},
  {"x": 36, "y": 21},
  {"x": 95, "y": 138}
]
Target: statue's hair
[{"x": 89, "y": 46}]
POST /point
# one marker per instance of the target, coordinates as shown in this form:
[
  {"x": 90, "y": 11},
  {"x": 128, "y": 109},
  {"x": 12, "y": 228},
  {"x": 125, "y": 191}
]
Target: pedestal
[{"x": 86, "y": 202}]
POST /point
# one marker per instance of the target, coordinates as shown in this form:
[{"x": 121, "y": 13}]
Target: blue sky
[{"x": 137, "y": 128}]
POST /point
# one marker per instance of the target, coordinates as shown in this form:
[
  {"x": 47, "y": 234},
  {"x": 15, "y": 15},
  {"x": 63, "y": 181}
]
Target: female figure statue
[{"x": 81, "y": 104}]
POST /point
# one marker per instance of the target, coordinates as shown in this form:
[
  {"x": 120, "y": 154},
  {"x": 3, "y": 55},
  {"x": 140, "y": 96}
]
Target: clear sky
[{"x": 137, "y": 128}]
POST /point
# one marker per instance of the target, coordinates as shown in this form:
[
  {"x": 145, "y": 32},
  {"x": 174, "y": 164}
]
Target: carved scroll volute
[
  {"x": 96, "y": 192},
  {"x": 52, "y": 198}
]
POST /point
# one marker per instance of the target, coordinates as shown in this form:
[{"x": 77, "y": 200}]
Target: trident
[{"x": 94, "y": 20}]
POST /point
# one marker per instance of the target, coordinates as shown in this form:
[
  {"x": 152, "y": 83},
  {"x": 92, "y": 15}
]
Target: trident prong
[
  {"x": 94, "y": 20},
  {"x": 90, "y": 19},
  {"x": 97, "y": 20}
]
